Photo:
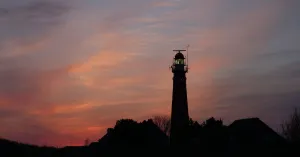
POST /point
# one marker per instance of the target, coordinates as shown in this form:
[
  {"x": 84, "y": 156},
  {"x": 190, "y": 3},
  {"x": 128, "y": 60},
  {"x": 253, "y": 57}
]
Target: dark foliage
[
  {"x": 11, "y": 148},
  {"x": 211, "y": 138},
  {"x": 291, "y": 127}
]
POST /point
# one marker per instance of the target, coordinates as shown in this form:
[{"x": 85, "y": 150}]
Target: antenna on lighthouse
[{"x": 187, "y": 56}]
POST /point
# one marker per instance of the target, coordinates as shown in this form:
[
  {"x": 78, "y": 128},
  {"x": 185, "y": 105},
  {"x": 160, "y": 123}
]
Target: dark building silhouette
[
  {"x": 253, "y": 135},
  {"x": 179, "y": 114}
]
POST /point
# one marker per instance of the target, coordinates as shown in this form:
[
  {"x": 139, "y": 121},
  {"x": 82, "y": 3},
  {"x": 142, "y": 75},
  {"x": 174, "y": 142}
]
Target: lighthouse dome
[{"x": 179, "y": 55}]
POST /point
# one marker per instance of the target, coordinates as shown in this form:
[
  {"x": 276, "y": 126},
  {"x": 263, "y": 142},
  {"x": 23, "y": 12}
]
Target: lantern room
[
  {"x": 179, "y": 64},
  {"x": 179, "y": 58}
]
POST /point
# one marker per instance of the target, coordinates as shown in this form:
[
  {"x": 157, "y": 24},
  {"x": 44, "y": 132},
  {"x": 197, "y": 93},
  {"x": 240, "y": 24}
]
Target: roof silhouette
[
  {"x": 251, "y": 124},
  {"x": 253, "y": 134},
  {"x": 253, "y": 127}
]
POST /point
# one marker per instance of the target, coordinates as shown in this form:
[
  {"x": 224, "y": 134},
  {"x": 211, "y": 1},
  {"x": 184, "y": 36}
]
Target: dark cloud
[
  {"x": 28, "y": 22},
  {"x": 35, "y": 10}
]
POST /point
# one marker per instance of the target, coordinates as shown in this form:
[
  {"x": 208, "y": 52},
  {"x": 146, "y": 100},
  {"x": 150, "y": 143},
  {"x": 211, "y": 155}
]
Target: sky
[{"x": 70, "y": 69}]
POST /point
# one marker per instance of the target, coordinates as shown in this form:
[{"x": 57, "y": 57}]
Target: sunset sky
[{"x": 70, "y": 68}]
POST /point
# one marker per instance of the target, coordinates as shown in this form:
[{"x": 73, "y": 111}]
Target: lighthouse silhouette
[{"x": 179, "y": 113}]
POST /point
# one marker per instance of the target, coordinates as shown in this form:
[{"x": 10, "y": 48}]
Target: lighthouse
[{"x": 179, "y": 113}]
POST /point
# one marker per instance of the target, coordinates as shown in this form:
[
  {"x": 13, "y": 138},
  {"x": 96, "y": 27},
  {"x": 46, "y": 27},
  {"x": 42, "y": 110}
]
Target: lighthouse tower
[{"x": 179, "y": 113}]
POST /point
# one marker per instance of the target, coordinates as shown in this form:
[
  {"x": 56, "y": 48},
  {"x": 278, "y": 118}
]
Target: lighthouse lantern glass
[{"x": 179, "y": 61}]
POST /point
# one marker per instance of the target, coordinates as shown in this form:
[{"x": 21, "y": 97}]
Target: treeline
[{"x": 150, "y": 137}]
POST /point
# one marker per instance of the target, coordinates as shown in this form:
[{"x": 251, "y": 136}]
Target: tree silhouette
[
  {"x": 163, "y": 122},
  {"x": 212, "y": 122},
  {"x": 193, "y": 123},
  {"x": 125, "y": 122},
  {"x": 291, "y": 127}
]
